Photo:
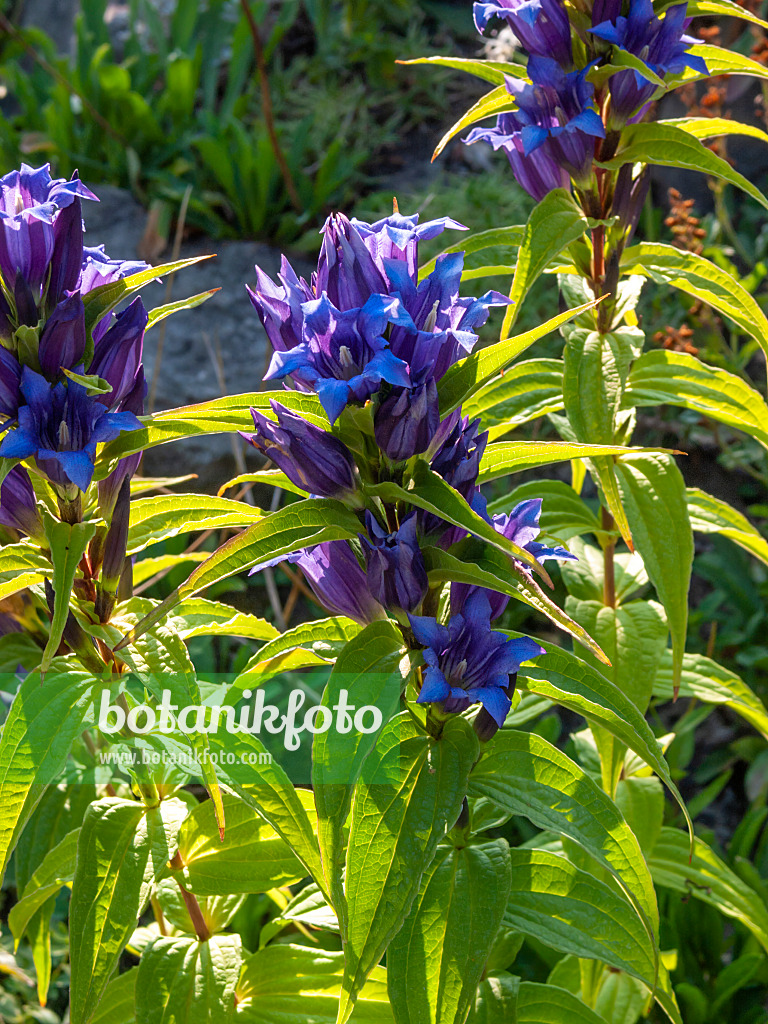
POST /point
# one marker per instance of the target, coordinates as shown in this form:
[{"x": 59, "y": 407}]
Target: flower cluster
[
  {"x": 66, "y": 383},
  {"x": 373, "y": 342},
  {"x": 551, "y": 138}
]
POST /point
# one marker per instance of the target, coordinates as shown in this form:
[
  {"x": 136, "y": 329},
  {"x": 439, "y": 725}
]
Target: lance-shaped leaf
[
  {"x": 526, "y": 391},
  {"x": 494, "y": 102},
  {"x": 653, "y": 493},
  {"x": 505, "y": 457},
  {"x": 251, "y": 858},
  {"x": 675, "y": 378},
  {"x": 373, "y": 667},
  {"x": 698, "y": 276},
  {"x": 714, "y": 127},
  {"x": 219, "y": 415},
  {"x": 56, "y": 870},
  {"x": 707, "y": 878},
  {"x": 526, "y": 775},
  {"x": 502, "y": 998},
  {"x": 709, "y": 682},
  {"x": 493, "y": 71},
  {"x": 161, "y": 312},
  {"x": 711, "y": 515},
  {"x": 486, "y": 570},
  {"x": 68, "y": 542},
  {"x": 283, "y": 984},
  {"x": 726, "y": 8},
  {"x": 22, "y": 566},
  {"x": 415, "y": 793},
  {"x": 99, "y": 301},
  {"x": 719, "y": 61},
  {"x": 198, "y": 616},
  {"x": 566, "y": 680},
  {"x": 181, "y": 980},
  {"x": 467, "y": 376},
  {"x": 117, "y": 1003},
  {"x": 297, "y": 526},
  {"x": 436, "y": 960},
  {"x": 167, "y": 515},
  {"x": 36, "y": 739},
  {"x": 554, "y": 223},
  {"x": 669, "y": 146}
]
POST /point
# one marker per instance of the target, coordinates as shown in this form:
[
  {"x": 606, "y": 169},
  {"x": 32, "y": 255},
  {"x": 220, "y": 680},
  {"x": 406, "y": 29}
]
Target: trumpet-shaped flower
[
  {"x": 397, "y": 577},
  {"x": 542, "y": 26},
  {"x": 338, "y": 581}
]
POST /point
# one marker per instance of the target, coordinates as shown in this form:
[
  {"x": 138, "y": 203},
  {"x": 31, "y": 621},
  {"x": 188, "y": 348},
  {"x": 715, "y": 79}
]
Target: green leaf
[
  {"x": 505, "y": 457},
  {"x": 433, "y": 494},
  {"x": 68, "y": 543},
  {"x": 197, "y": 616},
  {"x": 371, "y": 667},
  {"x": 554, "y": 223},
  {"x": 489, "y": 571},
  {"x": 469, "y": 375},
  {"x": 149, "y": 567},
  {"x": 117, "y": 1003},
  {"x": 284, "y": 984},
  {"x": 94, "y": 385},
  {"x": 664, "y": 144},
  {"x": 564, "y": 679},
  {"x": 182, "y": 981},
  {"x": 416, "y": 790},
  {"x": 563, "y": 513},
  {"x": 167, "y": 515},
  {"x": 436, "y": 960},
  {"x": 674, "y": 378},
  {"x": 526, "y": 775},
  {"x": 494, "y": 102},
  {"x": 547, "y": 1004},
  {"x": 249, "y": 770},
  {"x": 112, "y": 858},
  {"x": 707, "y": 878},
  {"x": 270, "y": 477},
  {"x": 712, "y": 127},
  {"x": 595, "y": 369},
  {"x": 524, "y": 392},
  {"x": 99, "y": 301},
  {"x": 251, "y": 858},
  {"x": 570, "y": 910},
  {"x": 725, "y": 8},
  {"x": 641, "y": 801},
  {"x": 220, "y": 415},
  {"x": 56, "y": 870},
  {"x": 707, "y": 681},
  {"x": 161, "y": 312},
  {"x": 37, "y": 735},
  {"x": 489, "y": 70},
  {"x": 720, "y": 61},
  {"x": 698, "y": 276},
  {"x": 711, "y": 515},
  {"x": 653, "y": 493}
]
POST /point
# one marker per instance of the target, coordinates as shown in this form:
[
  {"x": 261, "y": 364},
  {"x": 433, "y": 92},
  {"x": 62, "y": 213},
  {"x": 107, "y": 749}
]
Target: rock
[{"x": 187, "y": 371}]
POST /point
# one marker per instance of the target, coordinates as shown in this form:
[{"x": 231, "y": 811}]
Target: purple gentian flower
[
  {"x": 117, "y": 356},
  {"x": 521, "y": 526},
  {"x": 397, "y": 577},
  {"x": 310, "y": 457},
  {"x": 109, "y": 487},
  {"x": 62, "y": 342},
  {"x": 542, "y": 26},
  {"x": 556, "y": 119},
  {"x": 29, "y": 202},
  {"x": 397, "y": 238},
  {"x": 406, "y": 421},
  {"x": 338, "y": 581},
  {"x": 660, "y": 45},
  {"x": 97, "y": 270},
  {"x": 61, "y": 426},
  {"x": 18, "y": 505},
  {"x": 10, "y": 381},
  {"x": 468, "y": 663},
  {"x": 343, "y": 355}
]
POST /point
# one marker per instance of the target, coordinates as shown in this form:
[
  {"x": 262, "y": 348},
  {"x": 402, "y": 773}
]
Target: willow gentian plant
[{"x": 384, "y": 423}]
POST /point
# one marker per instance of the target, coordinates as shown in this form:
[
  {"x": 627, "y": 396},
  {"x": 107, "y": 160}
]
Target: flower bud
[
  {"x": 62, "y": 342},
  {"x": 67, "y": 258},
  {"x": 397, "y": 576},
  {"x": 406, "y": 421},
  {"x": 310, "y": 457},
  {"x": 10, "y": 382},
  {"x": 18, "y": 505},
  {"x": 118, "y": 354},
  {"x": 114, "y": 553}
]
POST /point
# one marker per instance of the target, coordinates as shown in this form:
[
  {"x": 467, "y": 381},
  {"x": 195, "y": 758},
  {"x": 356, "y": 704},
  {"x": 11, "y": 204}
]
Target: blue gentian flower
[
  {"x": 542, "y": 26},
  {"x": 457, "y": 460},
  {"x": 29, "y": 203},
  {"x": 660, "y": 45},
  {"x": 521, "y": 526},
  {"x": 556, "y": 120},
  {"x": 468, "y": 663},
  {"x": 117, "y": 354},
  {"x": 406, "y": 421},
  {"x": 338, "y": 581},
  {"x": 344, "y": 356},
  {"x": 60, "y": 426},
  {"x": 397, "y": 577},
  {"x": 62, "y": 342},
  {"x": 310, "y": 457}
]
